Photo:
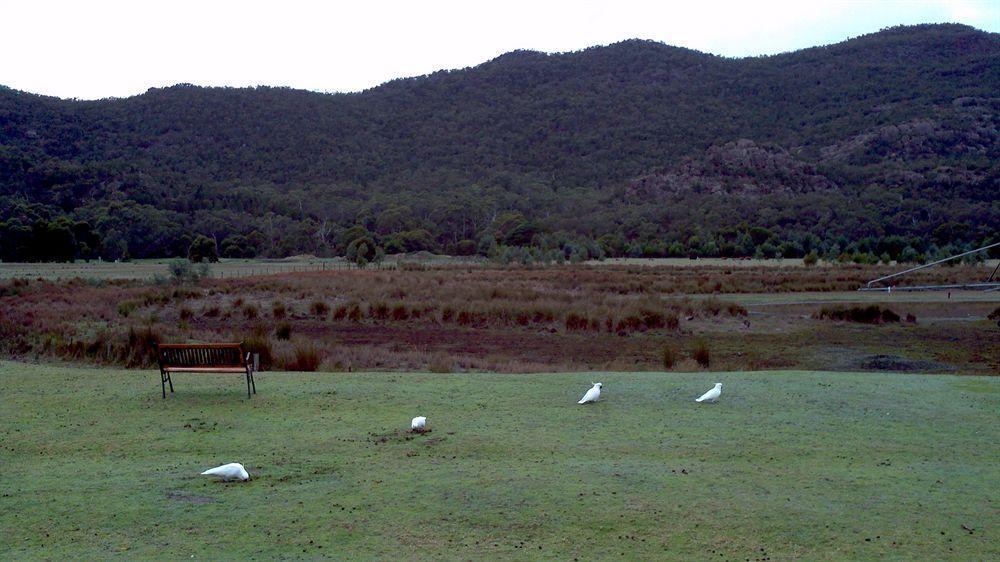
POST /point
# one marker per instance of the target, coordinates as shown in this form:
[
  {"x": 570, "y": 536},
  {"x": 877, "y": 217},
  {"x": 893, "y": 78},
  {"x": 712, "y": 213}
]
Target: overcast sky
[{"x": 95, "y": 49}]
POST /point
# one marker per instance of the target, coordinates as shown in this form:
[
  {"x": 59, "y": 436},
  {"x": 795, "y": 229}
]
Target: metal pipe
[
  {"x": 971, "y": 286},
  {"x": 926, "y": 265}
]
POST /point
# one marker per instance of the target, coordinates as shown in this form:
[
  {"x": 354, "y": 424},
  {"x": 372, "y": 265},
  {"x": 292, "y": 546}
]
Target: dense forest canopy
[{"x": 885, "y": 145}]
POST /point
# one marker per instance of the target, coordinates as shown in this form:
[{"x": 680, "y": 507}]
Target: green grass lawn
[{"x": 94, "y": 465}]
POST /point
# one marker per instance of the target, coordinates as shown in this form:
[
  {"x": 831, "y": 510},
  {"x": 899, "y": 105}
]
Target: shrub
[
  {"x": 399, "y": 312},
  {"x": 141, "y": 348},
  {"x": 669, "y": 357},
  {"x": 283, "y": 331},
  {"x": 379, "y": 311},
  {"x": 712, "y": 306},
  {"x": 211, "y": 311},
  {"x": 439, "y": 364},
  {"x": 735, "y": 309},
  {"x": 340, "y": 312},
  {"x": 811, "y": 259},
  {"x": 250, "y": 312},
  {"x": 889, "y": 316},
  {"x": 464, "y": 318},
  {"x": 628, "y": 324},
  {"x": 127, "y": 307},
  {"x": 911, "y": 318},
  {"x": 354, "y": 315},
  {"x": 260, "y": 344},
  {"x": 278, "y": 310},
  {"x": 447, "y": 314},
  {"x": 185, "y": 313},
  {"x": 871, "y": 314},
  {"x": 576, "y": 321},
  {"x": 701, "y": 353},
  {"x": 319, "y": 308},
  {"x": 653, "y": 319},
  {"x": 305, "y": 357}
]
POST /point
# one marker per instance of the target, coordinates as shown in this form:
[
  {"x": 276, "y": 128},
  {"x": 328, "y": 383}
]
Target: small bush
[
  {"x": 669, "y": 357},
  {"x": 653, "y": 319},
  {"x": 439, "y": 364},
  {"x": 260, "y": 344},
  {"x": 211, "y": 311},
  {"x": 185, "y": 313},
  {"x": 871, "y": 314},
  {"x": 283, "y": 331},
  {"x": 671, "y": 321},
  {"x": 319, "y": 309},
  {"x": 127, "y": 307},
  {"x": 278, "y": 311},
  {"x": 399, "y": 312},
  {"x": 576, "y": 321},
  {"x": 712, "y": 306},
  {"x": 340, "y": 312},
  {"x": 251, "y": 312},
  {"x": 142, "y": 346},
  {"x": 811, "y": 258},
  {"x": 889, "y": 316},
  {"x": 305, "y": 357},
  {"x": 447, "y": 314},
  {"x": 628, "y": 324},
  {"x": 355, "y": 314},
  {"x": 911, "y": 318},
  {"x": 379, "y": 311},
  {"x": 701, "y": 353},
  {"x": 735, "y": 309},
  {"x": 464, "y": 318}
]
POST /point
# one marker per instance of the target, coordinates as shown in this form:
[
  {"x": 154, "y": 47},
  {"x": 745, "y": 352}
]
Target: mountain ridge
[{"x": 526, "y": 132}]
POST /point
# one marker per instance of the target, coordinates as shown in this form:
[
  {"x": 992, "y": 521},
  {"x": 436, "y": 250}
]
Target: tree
[{"x": 203, "y": 248}]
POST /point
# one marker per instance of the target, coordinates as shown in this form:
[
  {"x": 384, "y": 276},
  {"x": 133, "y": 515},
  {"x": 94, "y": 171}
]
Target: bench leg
[
  {"x": 253, "y": 382},
  {"x": 164, "y": 380},
  {"x": 248, "y": 383}
]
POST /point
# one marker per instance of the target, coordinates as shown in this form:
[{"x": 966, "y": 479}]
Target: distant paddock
[{"x": 230, "y": 268}]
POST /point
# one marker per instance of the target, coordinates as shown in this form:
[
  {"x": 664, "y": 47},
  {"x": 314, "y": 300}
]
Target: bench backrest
[{"x": 201, "y": 355}]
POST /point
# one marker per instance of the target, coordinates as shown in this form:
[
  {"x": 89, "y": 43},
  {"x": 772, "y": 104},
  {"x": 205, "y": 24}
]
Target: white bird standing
[
  {"x": 418, "y": 423},
  {"x": 592, "y": 395},
  {"x": 712, "y": 395},
  {"x": 231, "y": 471}
]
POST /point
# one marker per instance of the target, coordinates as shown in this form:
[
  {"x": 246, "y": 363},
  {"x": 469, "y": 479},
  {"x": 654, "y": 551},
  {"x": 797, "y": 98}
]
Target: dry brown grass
[{"x": 467, "y": 318}]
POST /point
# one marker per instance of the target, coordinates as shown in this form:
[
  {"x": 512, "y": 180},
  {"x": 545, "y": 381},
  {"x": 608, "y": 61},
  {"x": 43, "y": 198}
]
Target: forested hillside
[{"x": 884, "y": 145}]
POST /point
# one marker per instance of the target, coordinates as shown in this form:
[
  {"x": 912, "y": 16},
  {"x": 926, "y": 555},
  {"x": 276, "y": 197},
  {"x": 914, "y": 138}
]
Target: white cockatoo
[
  {"x": 418, "y": 423},
  {"x": 231, "y": 471},
  {"x": 712, "y": 395},
  {"x": 592, "y": 395}
]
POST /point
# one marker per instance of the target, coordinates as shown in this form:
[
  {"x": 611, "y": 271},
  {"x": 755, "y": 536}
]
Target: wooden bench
[{"x": 203, "y": 358}]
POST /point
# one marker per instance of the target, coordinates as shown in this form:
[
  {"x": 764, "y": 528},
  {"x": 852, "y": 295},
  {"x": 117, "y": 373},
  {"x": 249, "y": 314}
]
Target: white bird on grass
[
  {"x": 418, "y": 423},
  {"x": 231, "y": 471},
  {"x": 711, "y": 395},
  {"x": 592, "y": 395}
]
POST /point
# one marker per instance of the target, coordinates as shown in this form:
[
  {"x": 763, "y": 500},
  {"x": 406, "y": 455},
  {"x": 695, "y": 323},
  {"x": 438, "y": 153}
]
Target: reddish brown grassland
[{"x": 456, "y": 318}]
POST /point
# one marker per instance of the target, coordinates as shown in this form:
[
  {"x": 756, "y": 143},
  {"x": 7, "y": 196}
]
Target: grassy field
[
  {"x": 226, "y": 268},
  {"x": 230, "y": 268},
  {"x": 789, "y": 465}
]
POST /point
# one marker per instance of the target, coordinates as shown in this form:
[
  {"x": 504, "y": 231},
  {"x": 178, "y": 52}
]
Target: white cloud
[{"x": 118, "y": 48}]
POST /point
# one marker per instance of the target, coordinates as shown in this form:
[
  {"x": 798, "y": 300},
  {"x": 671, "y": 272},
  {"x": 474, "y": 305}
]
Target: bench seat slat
[{"x": 205, "y": 369}]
